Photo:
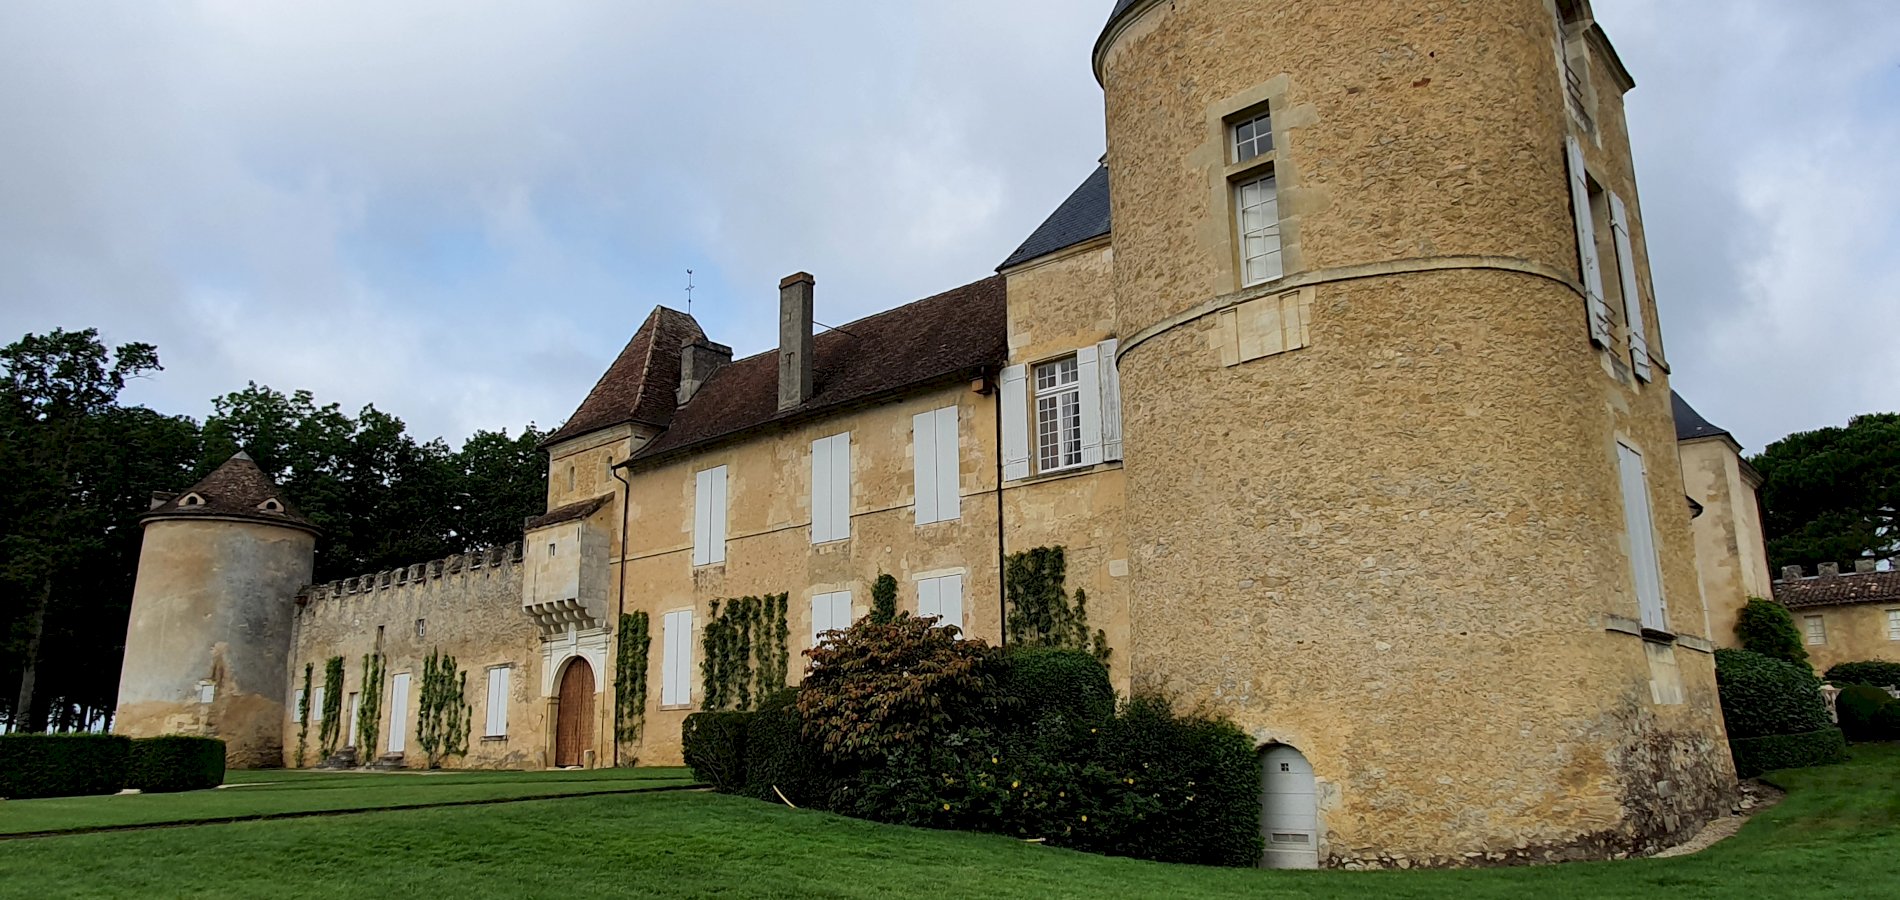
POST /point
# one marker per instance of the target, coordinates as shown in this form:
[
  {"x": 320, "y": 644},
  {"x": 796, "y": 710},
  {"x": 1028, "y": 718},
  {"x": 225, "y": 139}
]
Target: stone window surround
[{"x": 1224, "y": 175}]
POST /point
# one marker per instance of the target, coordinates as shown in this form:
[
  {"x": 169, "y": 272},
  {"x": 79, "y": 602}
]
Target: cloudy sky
[{"x": 460, "y": 210}]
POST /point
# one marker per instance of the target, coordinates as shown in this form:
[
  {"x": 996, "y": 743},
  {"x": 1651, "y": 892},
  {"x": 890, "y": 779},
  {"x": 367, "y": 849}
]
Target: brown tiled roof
[
  {"x": 234, "y": 490},
  {"x": 958, "y": 333},
  {"x": 1830, "y": 590},
  {"x": 642, "y": 384},
  {"x": 580, "y": 509}
]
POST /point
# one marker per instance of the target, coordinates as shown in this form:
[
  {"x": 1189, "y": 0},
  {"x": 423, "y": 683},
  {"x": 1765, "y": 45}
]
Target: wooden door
[
  {"x": 574, "y": 728},
  {"x": 1289, "y": 810}
]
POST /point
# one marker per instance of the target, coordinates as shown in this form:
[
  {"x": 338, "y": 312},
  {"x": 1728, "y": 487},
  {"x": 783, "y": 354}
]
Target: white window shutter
[
  {"x": 1646, "y": 571},
  {"x": 1111, "y": 382},
  {"x": 1015, "y": 400},
  {"x": 841, "y": 610},
  {"x": 1089, "y": 382},
  {"x": 923, "y": 451},
  {"x": 316, "y": 705},
  {"x": 950, "y": 600},
  {"x": 716, "y": 525},
  {"x": 820, "y": 616},
  {"x": 821, "y": 490},
  {"x": 1626, "y": 276},
  {"x": 1599, "y": 311},
  {"x": 702, "y": 518},
  {"x": 841, "y": 486},
  {"x": 676, "y": 686},
  {"x": 949, "y": 469},
  {"x": 927, "y": 598}
]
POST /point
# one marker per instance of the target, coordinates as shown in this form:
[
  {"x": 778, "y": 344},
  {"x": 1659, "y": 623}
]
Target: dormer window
[
  {"x": 191, "y": 500},
  {"x": 271, "y": 505}
]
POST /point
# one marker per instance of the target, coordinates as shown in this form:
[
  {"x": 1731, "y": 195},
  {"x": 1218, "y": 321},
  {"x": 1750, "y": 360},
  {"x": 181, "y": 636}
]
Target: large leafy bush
[
  {"x": 1766, "y": 627},
  {"x": 62, "y": 765},
  {"x": 876, "y": 688},
  {"x": 1867, "y": 713},
  {"x": 1754, "y": 756},
  {"x": 714, "y": 746},
  {"x": 1762, "y": 696},
  {"x": 1878, "y": 673},
  {"x": 781, "y": 764},
  {"x": 175, "y": 762}
]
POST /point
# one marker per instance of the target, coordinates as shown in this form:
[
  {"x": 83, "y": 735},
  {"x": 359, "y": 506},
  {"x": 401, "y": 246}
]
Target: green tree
[
  {"x": 1766, "y": 627},
  {"x": 503, "y": 481},
  {"x": 884, "y": 599},
  {"x": 1831, "y": 495}
]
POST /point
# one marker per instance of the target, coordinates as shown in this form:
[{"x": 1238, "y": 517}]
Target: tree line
[{"x": 78, "y": 468}]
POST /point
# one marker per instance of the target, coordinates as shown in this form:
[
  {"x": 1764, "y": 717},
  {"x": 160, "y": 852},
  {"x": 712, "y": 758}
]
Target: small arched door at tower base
[
  {"x": 1289, "y": 810},
  {"x": 574, "y": 714}
]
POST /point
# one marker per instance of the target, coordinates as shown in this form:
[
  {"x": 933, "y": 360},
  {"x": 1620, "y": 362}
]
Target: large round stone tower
[
  {"x": 1379, "y": 469},
  {"x": 206, "y": 649}
]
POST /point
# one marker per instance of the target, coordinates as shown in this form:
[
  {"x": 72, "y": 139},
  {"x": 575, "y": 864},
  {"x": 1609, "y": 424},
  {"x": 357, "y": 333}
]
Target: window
[
  {"x": 829, "y": 612},
  {"x": 1816, "y": 629},
  {"x": 399, "y": 712},
  {"x": 941, "y": 596},
  {"x": 1256, "y": 203},
  {"x": 271, "y": 505},
  {"x": 207, "y": 691},
  {"x": 934, "y": 457},
  {"x": 676, "y": 668},
  {"x": 550, "y": 551},
  {"x": 422, "y": 629},
  {"x": 297, "y": 704},
  {"x": 709, "y": 517},
  {"x": 1587, "y": 257},
  {"x": 497, "y": 702},
  {"x": 570, "y": 477},
  {"x": 831, "y": 488},
  {"x": 1626, "y": 285},
  {"x": 316, "y": 705},
  {"x": 1058, "y": 415},
  {"x": 1252, "y": 137},
  {"x": 1893, "y": 624},
  {"x": 1638, "y": 525},
  {"x": 349, "y": 720}
]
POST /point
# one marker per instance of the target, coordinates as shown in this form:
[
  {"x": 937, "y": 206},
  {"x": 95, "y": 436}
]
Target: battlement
[{"x": 489, "y": 559}]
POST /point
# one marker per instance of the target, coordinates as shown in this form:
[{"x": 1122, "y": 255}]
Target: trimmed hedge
[
  {"x": 714, "y": 746},
  {"x": 1878, "y": 673},
  {"x": 1762, "y": 696},
  {"x": 1039, "y": 682},
  {"x": 1204, "y": 775},
  {"x": 1863, "y": 711},
  {"x": 1754, "y": 756},
  {"x": 62, "y": 765},
  {"x": 175, "y": 762},
  {"x": 780, "y": 760}
]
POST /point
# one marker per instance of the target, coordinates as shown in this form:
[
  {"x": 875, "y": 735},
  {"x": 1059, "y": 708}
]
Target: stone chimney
[
  {"x": 698, "y": 360},
  {"x": 1790, "y": 573},
  {"x": 1864, "y": 566},
  {"x": 1827, "y": 569},
  {"x": 794, "y": 340}
]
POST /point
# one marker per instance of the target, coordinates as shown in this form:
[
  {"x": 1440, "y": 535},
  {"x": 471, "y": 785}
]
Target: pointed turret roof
[
  {"x": 642, "y": 385},
  {"x": 239, "y": 490}
]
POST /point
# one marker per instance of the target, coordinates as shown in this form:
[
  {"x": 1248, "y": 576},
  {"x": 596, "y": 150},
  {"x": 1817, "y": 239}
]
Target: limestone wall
[
  {"x": 1731, "y": 556},
  {"x": 211, "y": 615},
  {"x": 1855, "y": 632},
  {"x": 467, "y": 606},
  {"x": 1400, "y": 548}
]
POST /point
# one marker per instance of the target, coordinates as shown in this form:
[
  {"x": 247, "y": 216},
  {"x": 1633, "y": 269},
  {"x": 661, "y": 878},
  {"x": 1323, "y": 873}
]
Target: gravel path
[{"x": 1755, "y": 798}]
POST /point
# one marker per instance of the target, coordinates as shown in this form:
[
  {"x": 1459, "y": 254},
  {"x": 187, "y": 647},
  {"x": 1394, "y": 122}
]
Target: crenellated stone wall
[{"x": 467, "y": 606}]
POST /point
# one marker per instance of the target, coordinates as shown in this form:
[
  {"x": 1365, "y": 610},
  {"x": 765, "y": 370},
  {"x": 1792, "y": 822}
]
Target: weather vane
[{"x": 689, "y": 292}]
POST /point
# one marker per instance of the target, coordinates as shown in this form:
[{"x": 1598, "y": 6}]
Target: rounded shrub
[
  {"x": 1754, "y": 756},
  {"x": 1763, "y": 696},
  {"x": 1767, "y": 628},
  {"x": 780, "y": 760},
  {"x": 1203, "y": 775},
  {"x": 714, "y": 746},
  {"x": 1862, "y": 709},
  {"x": 62, "y": 765},
  {"x": 1878, "y": 673},
  {"x": 1037, "y": 682},
  {"x": 175, "y": 762}
]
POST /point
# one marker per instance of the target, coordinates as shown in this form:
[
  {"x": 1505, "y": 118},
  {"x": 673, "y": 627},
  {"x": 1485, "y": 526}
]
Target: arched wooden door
[
  {"x": 574, "y": 726},
  {"x": 1289, "y": 810}
]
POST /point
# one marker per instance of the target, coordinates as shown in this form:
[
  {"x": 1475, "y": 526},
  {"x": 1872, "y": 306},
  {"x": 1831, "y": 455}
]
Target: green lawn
[
  {"x": 280, "y": 791},
  {"x": 1837, "y": 835}
]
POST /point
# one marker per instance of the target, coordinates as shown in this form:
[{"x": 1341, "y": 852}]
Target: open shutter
[
  {"x": 1642, "y": 539},
  {"x": 927, "y": 597},
  {"x": 1599, "y": 311},
  {"x": 923, "y": 451},
  {"x": 841, "y": 486},
  {"x": 821, "y": 474},
  {"x": 1089, "y": 384},
  {"x": 949, "y": 468},
  {"x": 1015, "y": 399},
  {"x": 1111, "y": 381},
  {"x": 316, "y": 705},
  {"x": 950, "y": 600},
  {"x": 1626, "y": 276},
  {"x": 716, "y": 522},
  {"x": 702, "y": 518}
]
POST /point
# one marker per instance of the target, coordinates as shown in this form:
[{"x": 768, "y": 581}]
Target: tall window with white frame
[
  {"x": 1256, "y": 198},
  {"x": 1816, "y": 628},
  {"x": 1893, "y": 624},
  {"x": 1058, "y": 415}
]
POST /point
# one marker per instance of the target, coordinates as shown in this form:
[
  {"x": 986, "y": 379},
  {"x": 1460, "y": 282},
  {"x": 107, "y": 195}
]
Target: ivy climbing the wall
[
  {"x": 884, "y": 599},
  {"x": 303, "y": 715},
  {"x": 1041, "y": 613},
  {"x": 630, "y": 677},
  {"x": 331, "y": 731},
  {"x": 745, "y": 651},
  {"x": 369, "y": 706},
  {"x": 443, "y": 713}
]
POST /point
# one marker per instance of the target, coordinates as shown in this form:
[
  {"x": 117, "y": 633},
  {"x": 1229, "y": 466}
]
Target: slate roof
[
  {"x": 1690, "y": 424},
  {"x": 579, "y": 509},
  {"x": 1831, "y": 590},
  {"x": 1082, "y": 217},
  {"x": 233, "y": 490},
  {"x": 960, "y": 333},
  {"x": 642, "y": 385}
]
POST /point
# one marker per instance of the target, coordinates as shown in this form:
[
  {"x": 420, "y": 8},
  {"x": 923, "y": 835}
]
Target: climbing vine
[
  {"x": 331, "y": 731},
  {"x": 630, "y": 676},
  {"x": 369, "y": 706},
  {"x": 443, "y": 713},
  {"x": 745, "y": 651},
  {"x": 1041, "y": 613},
  {"x": 884, "y": 599},
  {"x": 303, "y": 714}
]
